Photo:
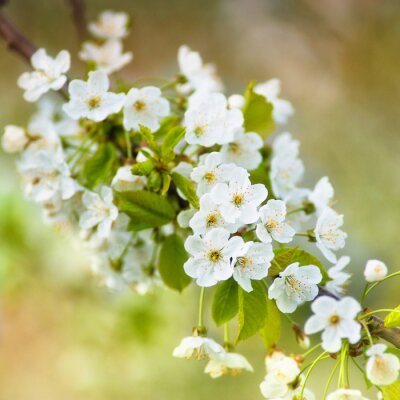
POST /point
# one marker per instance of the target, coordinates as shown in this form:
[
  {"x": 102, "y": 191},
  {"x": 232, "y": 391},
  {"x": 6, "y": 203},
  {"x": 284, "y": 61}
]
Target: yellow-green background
[{"x": 62, "y": 337}]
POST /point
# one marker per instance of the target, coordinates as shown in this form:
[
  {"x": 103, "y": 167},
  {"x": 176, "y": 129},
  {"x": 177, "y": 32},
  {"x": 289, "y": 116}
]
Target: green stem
[
  {"x": 128, "y": 144},
  {"x": 308, "y": 352},
  {"x": 365, "y": 326},
  {"x": 373, "y": 286},
  {"x": 389, "y": 310},
  {"x": 295, "y": 211},
  {"x": 314, "y": 363},
  {"x": 343, "y": 356},
  {"x": 201, "y": 306},
  {"x": 364, "y": 292},
  {"x": 302, "y": 234},
  {"x": 331, "y": 376},
  {"x": 226, "y": 336}
]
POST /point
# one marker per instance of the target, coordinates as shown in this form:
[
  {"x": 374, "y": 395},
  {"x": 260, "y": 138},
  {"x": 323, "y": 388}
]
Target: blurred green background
[{"x": 63, "y": 337}]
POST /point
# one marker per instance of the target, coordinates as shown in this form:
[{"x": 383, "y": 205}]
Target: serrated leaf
[
  {"x": 285, "y": 256},
  {"x": 170, "y": 263},
  {"x": 101, "y": 167},
  {"x": 187, "y": 189},
  {"x": 171, "y": 139},
  {"x": 143, "y": 168},
  {"x": 391, "y": 392},
  {"x": 392, "y": 320},
  {"x": 252, "y": 311},
  {"x": 146, "y": 209},
  {"x": 257, "y": 113},
  {"x": 225, "y": 302},
  {"x": 271, "y": 331}
]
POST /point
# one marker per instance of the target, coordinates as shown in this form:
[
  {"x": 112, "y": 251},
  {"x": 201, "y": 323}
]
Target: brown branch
[
  {"x": 78, "y": 13},
  {"x": 391, "y": 335},
  {"x": 14, "y": 39}
]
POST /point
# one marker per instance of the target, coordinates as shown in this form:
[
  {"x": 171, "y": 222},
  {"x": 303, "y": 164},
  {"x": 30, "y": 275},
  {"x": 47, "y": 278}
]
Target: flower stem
[
  {"x": 343, "y": 356},
  {"x": 365, "y": 326},
  {"x": 373, "y": 286},
  {"x": 226, "y": 336},
  {"x": 331, "y": 376},
  {"x": 201, "y": 306},
  {"x": 295, "y": 211},
  {"x": 128, "y": 144},
  {"x": 308, "y": 352},
  {"x": 389, "y": 310},
  {"x": 314, "y": 363}
]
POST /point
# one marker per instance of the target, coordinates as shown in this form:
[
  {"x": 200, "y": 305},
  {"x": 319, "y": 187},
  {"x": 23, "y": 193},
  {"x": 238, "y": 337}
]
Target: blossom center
[
  {"x": 139, "y": 105},
  {"x": 94, "y": 102},
  {"x": 199, "y": 130},
  {"x": 214, "y": 256},
  {"x": 238, "y": 199},
  {"x": 334, "y": 319},
  {"x": 209, "y": 177},
  {"x": 212, "y": 219},
  {"x": 244, "y": 262},
  {"x": 234, "y": 148}
]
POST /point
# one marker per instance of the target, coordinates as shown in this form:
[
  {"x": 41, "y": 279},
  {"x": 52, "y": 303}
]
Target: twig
[
  {"x": 14, "y": 39},
  {"x": 78, "y": 13},
  {"x": 391, "y": 335}
]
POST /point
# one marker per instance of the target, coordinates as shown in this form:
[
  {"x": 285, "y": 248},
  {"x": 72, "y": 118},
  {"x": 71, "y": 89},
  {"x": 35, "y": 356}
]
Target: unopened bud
[
  {"x": 302, "y": 339},
  {"x": 14, "y": 139}
]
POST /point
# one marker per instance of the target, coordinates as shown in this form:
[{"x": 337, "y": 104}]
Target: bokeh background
[{"x": 62, "y": 336}]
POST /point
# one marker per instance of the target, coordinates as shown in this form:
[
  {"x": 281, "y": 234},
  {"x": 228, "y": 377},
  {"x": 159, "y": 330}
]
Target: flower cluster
[{"x": 165, "y": 184}]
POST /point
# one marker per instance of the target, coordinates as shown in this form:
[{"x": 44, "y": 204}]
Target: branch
[
  {"x": 14, "y": 39},
  {"x": 391, "y": 335},
  {"x": 78, "y": 13}
]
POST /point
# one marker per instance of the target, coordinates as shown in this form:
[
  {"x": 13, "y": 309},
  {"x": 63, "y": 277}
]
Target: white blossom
[
  {"x": 294, "y": 286},
  {"x": 271, "y": 89},
  {"x": 198, "y": 347},
  {"x": 336, "y": 318},
  {"x": 100, "y": 212},
  {"x": 243, "y": 150},
  {"x": 322, "y": 194},
  {"x": 273, "y": 225},
  {"x": 285, "y": 146},
  {"x": 236, "y": 101},
  {"x": 252, "y": 263},
  {"x": 46, "y": 177},
  {"x": 145, "y": 107},
  {"x": 239, "y": 199},
  {"x": 14, "y": 139},
  {"x": 328, "y": 235},
  {"x": 48, "y": 74},
  {"x": 91, "y": 99},
  {"x": 375, "y": 270},
  {"x": 208, "y": 121},
  {"x": 110, "y": 25},
  {"x": 124, "y": 180},
  {"x": 339, "y": 278},
  {"x": 209, "y": 217},
  {"x": 227, "y": 363},
  {"x": 200, "y": 76},
  {"x": 381, "y": 368},
  {"x": 346, "y": 394},
  {"x": 185, "y": 216},
  {"x": 212, "y": 256},
  {"x": 43, "y": 136},
  {"x": 210, "y": 171},
  {"x": 108, "y": 56}
]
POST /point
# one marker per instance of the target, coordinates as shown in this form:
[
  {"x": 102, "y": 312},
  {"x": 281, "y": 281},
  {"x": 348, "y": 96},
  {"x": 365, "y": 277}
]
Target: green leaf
[
  {"x": 170, "y": 263},
  {"x": 143, "y": 168},
  {"x": 252, "y": 311},
  {"x": 257, "y": 113},
  {"x": 187, "y": 189},
  {"x": 166, "y": 125},
  {"x": 101, "y": 167},
  {"x": 171, "y": 139},
  {"x": 271, "y": 331},
  {"x": 392, "y": 320},
  {"x": 166, "y": 181},
  {"x": 225, "y": 302},
  {"x": 149, "y": 137},
  {"x": 285, "y": 256},
  {"x": 391, "y": 392},
  {"x": 146, "y": 209}
]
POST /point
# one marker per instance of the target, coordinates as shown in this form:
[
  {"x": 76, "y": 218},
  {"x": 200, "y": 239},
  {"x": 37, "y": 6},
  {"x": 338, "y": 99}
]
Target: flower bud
[
  {"x": 236, "y": 101},
  {"x": 14, "y": 139},
  {"x": 375, "y": 270},
  {"x": 302, "y": 339}
]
